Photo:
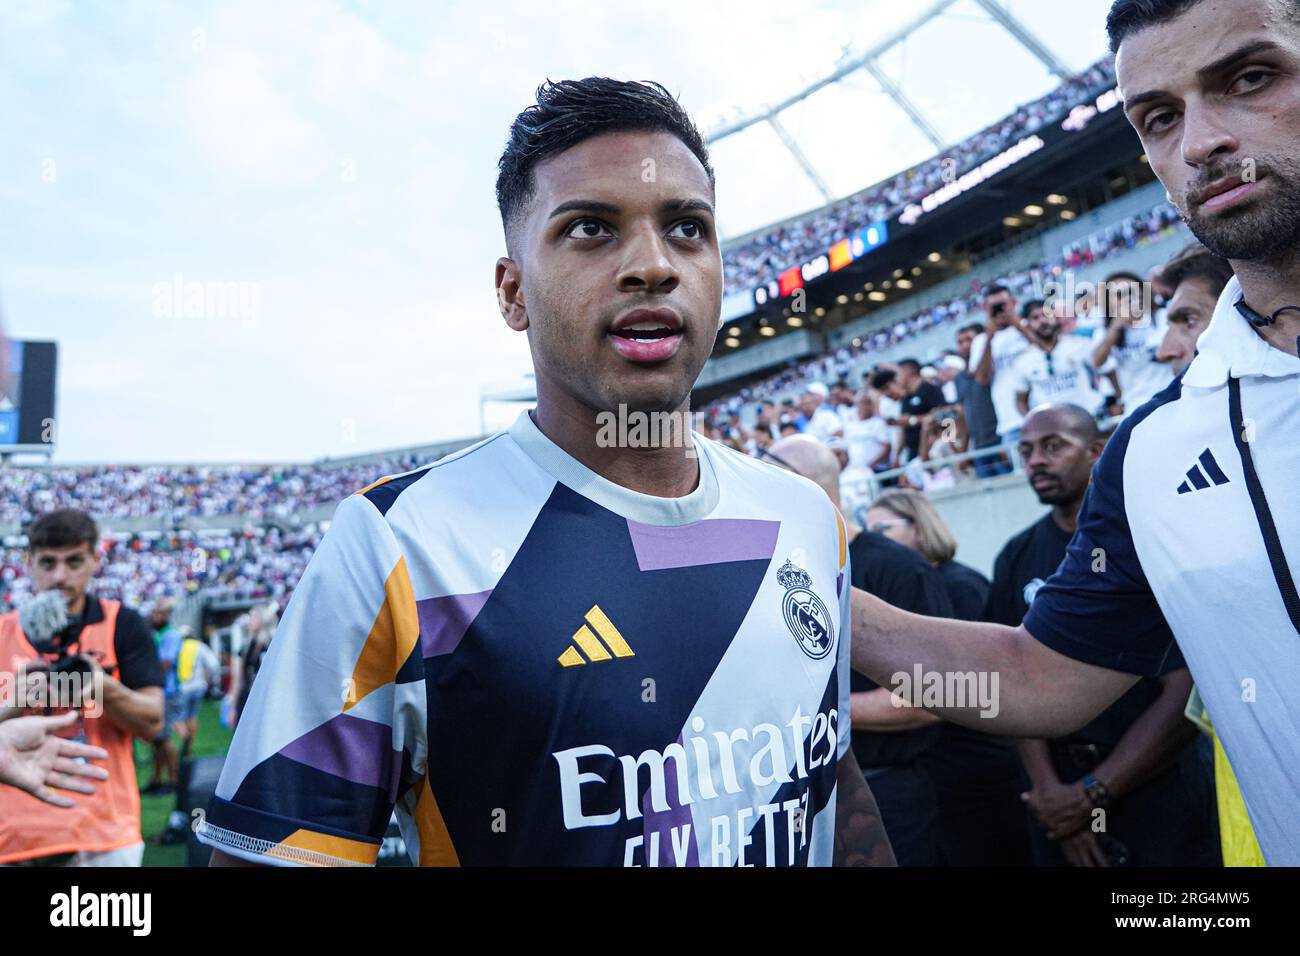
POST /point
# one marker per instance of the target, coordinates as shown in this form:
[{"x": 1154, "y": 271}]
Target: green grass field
[{"x": 212, "y": 739}]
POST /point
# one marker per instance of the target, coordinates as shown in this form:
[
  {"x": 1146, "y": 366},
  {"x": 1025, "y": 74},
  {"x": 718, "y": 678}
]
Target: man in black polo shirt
[
  {"x": 918, "y": 398},
  {"x": 1135, "y": 761}
]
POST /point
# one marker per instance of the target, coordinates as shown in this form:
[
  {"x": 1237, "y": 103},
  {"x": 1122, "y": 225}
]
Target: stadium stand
[{"x": 754, "y": 259}]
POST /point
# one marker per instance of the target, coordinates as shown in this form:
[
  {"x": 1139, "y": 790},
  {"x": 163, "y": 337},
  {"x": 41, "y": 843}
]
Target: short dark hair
[
  {"x": 572, "y": 111},
  {"x": 911, "y": 365},
  {"x": 1130, "y": 16},
  {"x": 1077, "y": 420},
  {"x": 1123, "y": 276},
  {"x": 882, "y": 378},
  {"x": 995, "y": 289},
  {"x": 974, "y": 328},
  {"x": 1029, "y": 306},
  {"x": 64, "y": 528},
  {"x": 1194, "y": 261}
]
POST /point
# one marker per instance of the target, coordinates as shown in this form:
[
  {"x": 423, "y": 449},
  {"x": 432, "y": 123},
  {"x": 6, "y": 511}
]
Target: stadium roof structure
[{"x": 868, "y": 61}]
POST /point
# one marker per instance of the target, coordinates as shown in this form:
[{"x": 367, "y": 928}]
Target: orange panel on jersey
[
  {"x": 436, "y": 848},
  {"x": 392, "y": 637},
  {"x": 341, "y": 848}
]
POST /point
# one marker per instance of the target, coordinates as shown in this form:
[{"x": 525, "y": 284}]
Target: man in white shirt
[
  {"x": 1189, "y": 529},
  {"x": 1128, "y": 344},
  {"x": 868, "y": 436},
  {"x": 988, "y": 365},
  {"x": 1055, "y": 368},
  {"x": 823, "y": 424}
]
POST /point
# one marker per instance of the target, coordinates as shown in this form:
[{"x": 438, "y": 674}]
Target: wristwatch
[{"x": 1095, "y": 791}]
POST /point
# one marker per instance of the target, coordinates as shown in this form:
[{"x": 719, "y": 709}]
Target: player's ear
[{"x": 510, "y": 294}]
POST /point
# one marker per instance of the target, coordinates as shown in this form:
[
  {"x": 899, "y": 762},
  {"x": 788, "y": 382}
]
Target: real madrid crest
[{"x": 804, "y": 612}]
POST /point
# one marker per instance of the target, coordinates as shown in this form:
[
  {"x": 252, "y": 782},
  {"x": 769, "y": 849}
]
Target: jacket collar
[{"x": 1230, "y": 346}]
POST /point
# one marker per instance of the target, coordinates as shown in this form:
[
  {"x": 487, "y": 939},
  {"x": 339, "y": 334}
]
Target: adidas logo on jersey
[
  {"x": 1196, "y": 478},
  {"x": 589, "y": 644}
]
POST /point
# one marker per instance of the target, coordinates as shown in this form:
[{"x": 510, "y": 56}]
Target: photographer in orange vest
[{"x": 69, "y": 650}]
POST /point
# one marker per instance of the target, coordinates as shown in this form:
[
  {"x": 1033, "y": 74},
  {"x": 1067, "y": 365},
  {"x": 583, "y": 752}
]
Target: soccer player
[
  {"x": 593, "y": 638},
  {"x": 1189, "y": 529}
]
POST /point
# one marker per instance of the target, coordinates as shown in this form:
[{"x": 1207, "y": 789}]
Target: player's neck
[
  {"x": 613, "y": 449},
  {"x": 1269, "y": 286}
]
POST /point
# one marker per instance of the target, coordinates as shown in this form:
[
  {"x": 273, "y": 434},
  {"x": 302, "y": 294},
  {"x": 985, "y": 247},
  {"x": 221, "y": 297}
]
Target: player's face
[
  {"x": 1214, "y": 95},
  {"x": 620, "y": 224},
  {"x": 67, "y": 570},
  {"x": 1188, "y": 314},
  {"x": 1057, "y": 462}
]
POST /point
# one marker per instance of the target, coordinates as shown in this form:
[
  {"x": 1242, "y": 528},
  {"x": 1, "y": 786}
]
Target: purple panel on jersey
[
  {"x": 444, "y": 620},
  {"x": 839, "y": 584},
  {"x": 357, "y": 750},
  {"x": 670, "y": 823},
  {"x": 712, "y": 541}
]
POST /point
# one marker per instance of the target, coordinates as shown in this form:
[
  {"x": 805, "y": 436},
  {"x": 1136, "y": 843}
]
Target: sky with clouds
[{"x": 333, "y": 161}]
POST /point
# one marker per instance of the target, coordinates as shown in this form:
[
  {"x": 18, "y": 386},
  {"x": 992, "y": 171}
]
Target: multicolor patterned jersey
[{"x": 534, "y": 665}]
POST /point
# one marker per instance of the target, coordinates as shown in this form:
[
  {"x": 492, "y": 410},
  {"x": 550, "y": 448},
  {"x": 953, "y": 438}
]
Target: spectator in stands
[
  {"x": 917, "y": 398},
  {"x": 167, "y": 640},
  {"x": 977, "y": 776},
  {"x": 1195, "y": 277},
  {"x": 1128, "y": 343},
  {"x": 1055, "y": 367},
  {"x": 977, "y": 407},
  {"x": 887, "y": 738},
  {"x": 197, "y": 671},
  {"x": 868, "y": 436},
  {"x": 991, "y": 353},
  {"x": 943, "y": 435},
  {"x": 114, "y": 644},
  {"x": 1135, "y": 760},
  {"x": 949, "y": 366},
  {"x": 253, "y": 633},
  {"x": 821, "y": 422},
  {"x": 843, "y": 401},
  {"x": 766, "y": 419}
]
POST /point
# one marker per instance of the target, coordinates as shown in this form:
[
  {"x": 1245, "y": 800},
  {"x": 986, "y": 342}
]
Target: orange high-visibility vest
[{"x": 106, "y": 820}]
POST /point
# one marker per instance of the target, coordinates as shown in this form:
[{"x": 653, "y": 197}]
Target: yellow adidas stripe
[{"x": 606, "y": 629}]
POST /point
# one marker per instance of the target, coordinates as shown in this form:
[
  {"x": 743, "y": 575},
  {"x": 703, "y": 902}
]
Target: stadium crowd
[
  {"x": 255, "y": 563},
  {"x": 758, "y": 259},
  {"x": 181, "y": 492},
  {"x": 780, "y": 396}
]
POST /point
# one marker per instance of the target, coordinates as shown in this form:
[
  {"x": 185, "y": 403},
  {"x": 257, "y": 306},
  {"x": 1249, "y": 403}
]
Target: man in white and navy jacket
[{"x": 1190, "y": 529}]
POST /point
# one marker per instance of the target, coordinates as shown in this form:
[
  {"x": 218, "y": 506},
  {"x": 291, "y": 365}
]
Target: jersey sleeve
[
  {"x": 333, "y": 734},
  {"x": 1098, "y": 607}
]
